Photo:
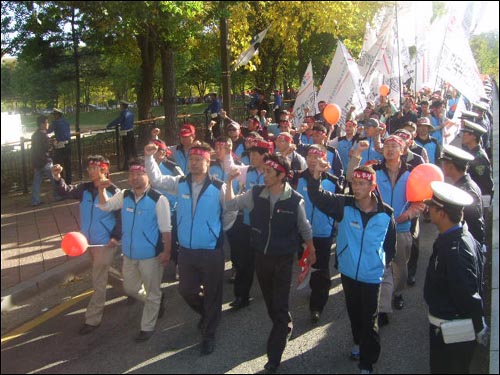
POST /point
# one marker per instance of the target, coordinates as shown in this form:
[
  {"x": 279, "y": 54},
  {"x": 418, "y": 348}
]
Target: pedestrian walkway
[{"x": 32, "y": 258}]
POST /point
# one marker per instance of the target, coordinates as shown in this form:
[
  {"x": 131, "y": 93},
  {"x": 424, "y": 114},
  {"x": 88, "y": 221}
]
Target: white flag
[
  {"x": 305, "y": 98},
  {"x": 343, "y": 84},
  {"x": 246, "y": 56}
]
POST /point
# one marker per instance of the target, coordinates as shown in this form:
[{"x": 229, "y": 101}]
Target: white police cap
[
  {"x": 447, "y": 195},
  {"x": 57, "y": 110},
  {"x": 469, "y": 115},
  {"x": 472, "y": 127},
  {"x": 481, "y": 105},
  {"x": 456, "y": 154}
]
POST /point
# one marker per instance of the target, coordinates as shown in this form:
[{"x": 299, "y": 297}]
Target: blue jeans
[{"x": 38, "y": 175}]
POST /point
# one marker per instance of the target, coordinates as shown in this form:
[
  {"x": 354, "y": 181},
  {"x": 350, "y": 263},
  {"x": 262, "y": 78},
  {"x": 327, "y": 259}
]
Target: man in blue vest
[
  {"x": 278, "y": 222},
  {"x": 200, "y": 222},
  {"x": 146, "y": 242},
  {"x": 366, "y": 244},
  {"x": 98, "y": 226}
]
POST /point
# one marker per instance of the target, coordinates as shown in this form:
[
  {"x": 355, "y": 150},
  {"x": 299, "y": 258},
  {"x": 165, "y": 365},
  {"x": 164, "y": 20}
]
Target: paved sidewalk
[{"x": 32, "y": 258}]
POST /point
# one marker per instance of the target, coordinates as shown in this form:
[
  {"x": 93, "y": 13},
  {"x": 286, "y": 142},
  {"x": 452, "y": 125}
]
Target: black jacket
[{"x": 453, "y": 284}]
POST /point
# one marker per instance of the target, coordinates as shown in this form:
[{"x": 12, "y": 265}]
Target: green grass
[{"x": 99, "y": 119}]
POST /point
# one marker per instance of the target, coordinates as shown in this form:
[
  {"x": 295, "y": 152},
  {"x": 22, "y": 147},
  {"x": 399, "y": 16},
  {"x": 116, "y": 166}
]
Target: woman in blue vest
[
  {"x": 278, "y": 222},
  {"x": 366, "y": 243},
  {"x": 98, "y": 226},
  {"x": 146, "y": 242},
  {"x": 200, "y": 222}
]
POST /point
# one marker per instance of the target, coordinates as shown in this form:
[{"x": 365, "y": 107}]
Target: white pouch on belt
[{"x": 458, "y": 330}]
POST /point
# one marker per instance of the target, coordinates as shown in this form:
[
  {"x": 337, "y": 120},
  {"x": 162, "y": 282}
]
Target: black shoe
[
  {"x": 130, "y": 301},
  {"x": 87, "y": 328},
  {"x": 161, "y": 312},
  {"x": 383, "y": 319},
  {"x": 411, "y": 281},
  {"x": 239, "y": 303},
  {"x": 207, "y": 346},
  {"x": 271, "y": 368},
  {"x": 232, "y": 278},
  {"x": 398, "y": 302},
  {"x": 144, "y": 336},
  {"x": 315, "y": 316}
]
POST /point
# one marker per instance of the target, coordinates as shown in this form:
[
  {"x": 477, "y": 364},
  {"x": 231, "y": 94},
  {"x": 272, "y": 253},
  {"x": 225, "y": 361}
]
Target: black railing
[{"x": 17, "y": 171}]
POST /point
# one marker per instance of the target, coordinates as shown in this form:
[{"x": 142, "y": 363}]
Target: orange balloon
[
  {"x": 74, "y": 244},
  {"x": 384, "y": 90},
  {"x": 332, "y": 113},
  {"x": 418, "y": 186}
]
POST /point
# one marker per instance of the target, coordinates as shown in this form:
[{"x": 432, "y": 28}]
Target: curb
[{"x": 19, "y": 293}]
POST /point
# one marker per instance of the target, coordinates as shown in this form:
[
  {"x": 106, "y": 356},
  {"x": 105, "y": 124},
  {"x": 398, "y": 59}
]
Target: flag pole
[{"x": 399, "y": 63}]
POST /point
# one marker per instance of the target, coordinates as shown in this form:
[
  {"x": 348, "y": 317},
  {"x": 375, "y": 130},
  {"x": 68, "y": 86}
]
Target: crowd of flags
[{"x": 442, "y": 54}]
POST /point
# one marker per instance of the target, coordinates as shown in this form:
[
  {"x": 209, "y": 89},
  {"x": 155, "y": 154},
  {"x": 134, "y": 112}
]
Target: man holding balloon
[{"x": 101, "y": 229}]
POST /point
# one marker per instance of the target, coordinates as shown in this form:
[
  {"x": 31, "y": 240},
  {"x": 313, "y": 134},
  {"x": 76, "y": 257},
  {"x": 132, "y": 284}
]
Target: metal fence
[{"x": 17, "y": 170}]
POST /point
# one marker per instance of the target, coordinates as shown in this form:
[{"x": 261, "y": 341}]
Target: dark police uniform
[
  {"x": 473, "y": 214},
  {"x": 452, "y": 287}
]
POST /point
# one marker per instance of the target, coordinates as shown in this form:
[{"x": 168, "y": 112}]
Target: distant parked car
[{"x": 96, "y": 107}]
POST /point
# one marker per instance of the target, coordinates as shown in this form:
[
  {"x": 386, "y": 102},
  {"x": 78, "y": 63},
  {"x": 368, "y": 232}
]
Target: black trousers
[
  {"x": 242, "y": 257},
  {"x": 63, "y": 156},
  {"x": 275, "y": 275},
  {"x": 320, "y": 274},
  {"x": 362, "y": 306},
  {"x": 129, "y": 151},
  {"x": 201, "y": 274},
  {"x": 412, "y": 262},
  {"x": 449, "y": 358}
]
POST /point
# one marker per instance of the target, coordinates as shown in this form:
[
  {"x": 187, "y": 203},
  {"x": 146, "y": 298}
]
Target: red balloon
[
  {"x": 332, "y": 113},
  {"x": 74, "y": 244},
  {"x": 418, "y": 186},
  {"x": 384, "y": 90}
]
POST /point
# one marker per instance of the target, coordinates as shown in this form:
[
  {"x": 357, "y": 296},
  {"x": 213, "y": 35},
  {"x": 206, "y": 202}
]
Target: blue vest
[
  {"x": 253, "y": 178},
  {"x": 396, "y": 198},
  {"x": 96, "y": 224},
  {"x": 370, "y": 154},
  {"x": 169, "y": 168},
  {"x": 431, "y": 146},
  {"x": 322, "y": 224},
  {"x": 360, "y": 250},
  {"x": 437, "y": 134},
  {"x": 181, "y": 159},
  {"x": 217, "y": 171},
  {"x": 203, "y": 228},
  {"x": 140, "y": 236},
  {"x": 343, "y": 148}
]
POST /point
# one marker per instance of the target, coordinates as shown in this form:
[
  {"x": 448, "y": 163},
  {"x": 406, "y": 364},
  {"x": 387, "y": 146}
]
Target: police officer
[
  {"x": 480, "y": 167},
  {"x": 126, "y": 123},
  {"x": 453, "y": 281},
  {"x": 454, "y": 164}
]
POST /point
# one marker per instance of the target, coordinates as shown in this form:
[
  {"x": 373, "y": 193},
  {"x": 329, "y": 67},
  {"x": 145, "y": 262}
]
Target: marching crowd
[{"x": 274, "y": 192}]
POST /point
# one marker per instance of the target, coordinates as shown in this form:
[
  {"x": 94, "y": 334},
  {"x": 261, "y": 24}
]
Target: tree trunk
[
  {"x": 169, "y": 97},
  {"x": 147, "y": 45}
]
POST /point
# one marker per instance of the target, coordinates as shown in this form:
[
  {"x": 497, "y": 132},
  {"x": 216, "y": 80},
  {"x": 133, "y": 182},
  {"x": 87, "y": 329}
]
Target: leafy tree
[{"x": 485, "y": 50}]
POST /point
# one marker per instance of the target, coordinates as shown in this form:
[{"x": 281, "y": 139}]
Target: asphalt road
[{"x": 54, "y": 346}]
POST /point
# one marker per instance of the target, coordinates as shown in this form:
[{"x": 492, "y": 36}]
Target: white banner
[
  {"x": 343, "y": 84},
  {"x": 305, "y": 98},
  {"x": 458, "y": 67}
]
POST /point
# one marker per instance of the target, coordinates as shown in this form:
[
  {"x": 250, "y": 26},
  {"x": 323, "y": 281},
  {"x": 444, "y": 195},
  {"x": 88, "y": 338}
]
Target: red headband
[
  {"x": 200, "y": 152},
  {"x": 285, "y": 138},
  {"x": 100, "y": 164},
  {"x": 137, "y": 168},
  {"x": 275, "y": 166},
  {"x": 365, "y": 176},
  {"x": 395, "y": 139},
  {"x": 315, "y": 151}
]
